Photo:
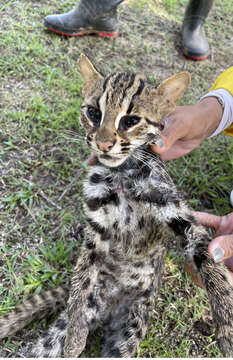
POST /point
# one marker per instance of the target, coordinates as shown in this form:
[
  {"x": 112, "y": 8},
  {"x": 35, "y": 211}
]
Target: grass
[{"x": 41, "y": 151}]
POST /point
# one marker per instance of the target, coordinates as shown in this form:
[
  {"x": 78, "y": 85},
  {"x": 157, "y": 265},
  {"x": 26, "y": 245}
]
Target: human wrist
[{"x": 211, "y": 112}]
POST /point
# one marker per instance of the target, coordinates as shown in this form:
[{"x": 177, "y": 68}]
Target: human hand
[
  {"x": 187, "y": 126},
  {"x": 221, "y": 247}
]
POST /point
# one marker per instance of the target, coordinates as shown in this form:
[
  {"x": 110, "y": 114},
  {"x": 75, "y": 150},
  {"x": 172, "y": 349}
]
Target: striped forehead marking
[{"x": 123, "y": 88}]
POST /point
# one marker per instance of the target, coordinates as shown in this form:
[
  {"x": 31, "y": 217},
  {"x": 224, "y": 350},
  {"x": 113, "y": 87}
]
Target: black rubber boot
[
  {"x": 195, "y": 44},
  {"x": 88, "y": 17}
]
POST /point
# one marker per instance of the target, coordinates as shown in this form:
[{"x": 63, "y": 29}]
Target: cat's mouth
[{"x": 111, "y": 160}]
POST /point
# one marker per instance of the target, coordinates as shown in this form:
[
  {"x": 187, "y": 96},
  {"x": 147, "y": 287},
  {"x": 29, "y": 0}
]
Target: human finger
[
  {"x": 221, "y": 248},
  {"x": 173, "y": 129},
  {"x": 209, "y": 220}
]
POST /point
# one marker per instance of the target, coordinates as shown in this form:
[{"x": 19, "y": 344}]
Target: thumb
[
  {"x": 172, "y": 131},
  {"x": 221, "y": 247}
]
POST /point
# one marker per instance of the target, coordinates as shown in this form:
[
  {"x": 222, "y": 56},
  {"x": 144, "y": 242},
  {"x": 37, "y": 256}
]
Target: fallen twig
[{"x": 77, "y": 175}]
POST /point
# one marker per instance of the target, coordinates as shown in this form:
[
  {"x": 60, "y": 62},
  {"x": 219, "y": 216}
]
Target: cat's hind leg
[{"x": 124, "y": 334}]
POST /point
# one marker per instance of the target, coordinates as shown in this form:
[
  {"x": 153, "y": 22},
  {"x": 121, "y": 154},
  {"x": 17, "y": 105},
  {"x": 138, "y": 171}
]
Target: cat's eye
[
  {"x": 128, "y": 121},
  {"x": 94, "y": 115}
]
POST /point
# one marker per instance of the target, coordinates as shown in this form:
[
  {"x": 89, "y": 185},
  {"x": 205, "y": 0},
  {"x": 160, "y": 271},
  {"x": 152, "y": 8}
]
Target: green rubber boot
[
  {"x": 88, "y": 17},
  {"x": 195, "y": 44}
]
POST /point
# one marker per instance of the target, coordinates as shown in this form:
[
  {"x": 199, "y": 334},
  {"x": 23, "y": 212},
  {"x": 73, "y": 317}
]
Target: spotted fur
[{"x": 132, "y": 209}]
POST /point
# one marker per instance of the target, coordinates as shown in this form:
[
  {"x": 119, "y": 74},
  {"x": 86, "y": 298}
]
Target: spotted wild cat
[{"x": 132, "y": 208}]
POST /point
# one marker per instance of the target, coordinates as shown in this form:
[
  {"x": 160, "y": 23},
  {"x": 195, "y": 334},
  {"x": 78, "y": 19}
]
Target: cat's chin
[{"x": 110, "y": 161}]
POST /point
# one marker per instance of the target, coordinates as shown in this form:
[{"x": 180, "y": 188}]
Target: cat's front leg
[
  {"x": 217, "y": 283},
  {"x": 215, "y": 276},
  {"x": 166, "y": 206}
]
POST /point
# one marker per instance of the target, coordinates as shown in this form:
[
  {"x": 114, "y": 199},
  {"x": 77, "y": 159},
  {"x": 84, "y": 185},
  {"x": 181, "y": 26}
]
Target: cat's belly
[{"x": 116, "y": 210}]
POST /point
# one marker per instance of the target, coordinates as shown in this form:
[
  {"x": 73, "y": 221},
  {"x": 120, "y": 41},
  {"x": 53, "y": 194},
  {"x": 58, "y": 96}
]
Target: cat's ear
[
  {"x": 169, "y": 92},
  {"x": 88, "y": 71},
  {"x": 174, "y": 87}
]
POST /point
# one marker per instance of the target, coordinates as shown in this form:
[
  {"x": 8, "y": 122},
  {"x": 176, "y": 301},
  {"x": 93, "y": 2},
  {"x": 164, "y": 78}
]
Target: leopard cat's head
[{"x": 122, "y": 112}]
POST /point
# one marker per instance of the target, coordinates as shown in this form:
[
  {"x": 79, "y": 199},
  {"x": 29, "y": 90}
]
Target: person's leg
[
  {"x": 88, "y": 17},
  {"x": 195, "y": 45}
]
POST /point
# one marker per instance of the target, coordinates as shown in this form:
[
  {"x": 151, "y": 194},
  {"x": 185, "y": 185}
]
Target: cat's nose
[{"x": 105, "y": 145}]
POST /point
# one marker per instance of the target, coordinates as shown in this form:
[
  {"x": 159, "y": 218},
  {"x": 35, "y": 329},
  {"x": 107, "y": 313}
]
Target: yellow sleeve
[{"x": 225, "y": 81}]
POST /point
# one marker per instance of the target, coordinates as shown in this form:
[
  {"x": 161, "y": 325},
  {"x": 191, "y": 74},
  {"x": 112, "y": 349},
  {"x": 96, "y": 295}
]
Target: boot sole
[
  {"x": 83, "y": 33},
  {"x": 193, "y": 57},
  {"x": 196, "y": 58}
]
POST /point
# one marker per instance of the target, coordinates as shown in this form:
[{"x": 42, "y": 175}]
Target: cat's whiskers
[{"x": 140, "y": 157}]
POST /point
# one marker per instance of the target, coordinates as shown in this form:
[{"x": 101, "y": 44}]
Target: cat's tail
[
  {"x": 36, "y": 307},
  {"x": 220, "y": 293}
]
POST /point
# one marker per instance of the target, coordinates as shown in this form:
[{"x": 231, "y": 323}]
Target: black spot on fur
[
  {"x": 146, "y": 293},
  {"x": 96, "y": 178},
  {"x": 145, "y": 172},
  {"x": 33, "y": 301},
  {"x": 113, "y": 198},
  {"x": 93, "y": 257},
  {"x": 115, "y": 225},
  {"x": 105, "y": 236},
  {"x": 146, "y": 317},
  {"x": 139, "y": 264},
  {"x": 126, "y": 334},
  {"x": 141, "y": 223},
  {"x": 130, "y": 348},
  {"x": 115, "y": 353},
  {"x": 158, "y": 197},
  {"x": 139, "y": 333},
  {"x": 192, "y": 219},
  {"x": 179, "y": 225},
  {"x": 106, "y": 322},
  {"x": 61, "y": 324},
  {"x": 84, "y": 267},
  {"x": 129, "y": 209},
  {"x": 200, "y": 255},
  {"x": 135, "y": 276},
  {"x": 110, "y": 266},
  {"x": 91, "y": 301},
  {"x": 90, "y": 244},
  {"x": 134, "y": 324},
  {"x": 43, "y": 296},
  {"x": 86, "y": 284},
  {"x": 96, "y": 256},
  {"x": 96, "y": 227},
  {"x": 96, "y": 203},
  {"x": 127, "y": 220},
  {"x": 48, "y": 343},
  {"x": 128, "y": 240}
]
